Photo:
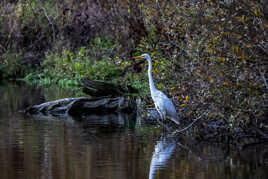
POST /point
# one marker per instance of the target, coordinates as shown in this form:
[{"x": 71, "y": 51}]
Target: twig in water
[
  {"x": 190, "y": 125},
  {"x": 162, "y": 124}
]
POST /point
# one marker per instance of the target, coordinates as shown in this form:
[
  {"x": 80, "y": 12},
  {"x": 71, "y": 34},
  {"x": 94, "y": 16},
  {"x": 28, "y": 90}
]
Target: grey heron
[{"x": 162, "y": 103}]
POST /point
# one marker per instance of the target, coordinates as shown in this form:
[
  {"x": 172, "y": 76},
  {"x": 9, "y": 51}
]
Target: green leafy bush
[
  {"x": 11, "y": 65},
  {"x": 67, "y": 68}
]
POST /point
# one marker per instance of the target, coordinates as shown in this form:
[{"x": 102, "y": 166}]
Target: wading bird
[{"x": 162, "y": 103}]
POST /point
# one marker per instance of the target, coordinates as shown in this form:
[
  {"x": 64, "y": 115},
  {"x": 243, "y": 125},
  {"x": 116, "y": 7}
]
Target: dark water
[{"x": 63, "y": 148}]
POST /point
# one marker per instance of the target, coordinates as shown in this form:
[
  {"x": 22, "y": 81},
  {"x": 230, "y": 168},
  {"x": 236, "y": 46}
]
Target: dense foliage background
[{"x": 210, "y": 56}]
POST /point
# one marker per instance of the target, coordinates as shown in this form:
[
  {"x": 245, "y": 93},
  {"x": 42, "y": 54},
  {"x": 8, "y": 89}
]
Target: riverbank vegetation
[{"x": 210, "y": 56}]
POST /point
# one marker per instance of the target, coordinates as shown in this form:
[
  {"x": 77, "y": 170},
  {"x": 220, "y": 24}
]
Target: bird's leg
[
  {"x": 159, "y": 119},
  {"x": 162, "y": 119},
  {"x": 157, "y": 109},
  {"x": 161, "y": 116},
  {"x": 159, "y": 112}
]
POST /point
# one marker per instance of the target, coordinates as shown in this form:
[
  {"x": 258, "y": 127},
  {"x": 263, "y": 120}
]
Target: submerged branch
[{"x": 190, "y": 125}]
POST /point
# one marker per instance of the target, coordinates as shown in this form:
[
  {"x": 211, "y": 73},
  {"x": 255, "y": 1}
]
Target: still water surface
[{"x": 32, "y": 147}]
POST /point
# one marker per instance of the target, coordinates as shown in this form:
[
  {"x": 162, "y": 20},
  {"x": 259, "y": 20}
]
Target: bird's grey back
[{"x": 165, "y": 104}]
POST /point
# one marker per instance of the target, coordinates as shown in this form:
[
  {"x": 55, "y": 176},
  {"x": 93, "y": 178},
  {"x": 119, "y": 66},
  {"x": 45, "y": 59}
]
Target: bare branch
[
  {"x": 262, "y": 48},
  {"x": 190, "y": 125},
  {"x": 264, "y": 79},
  {"x": 50, "y": 22}
]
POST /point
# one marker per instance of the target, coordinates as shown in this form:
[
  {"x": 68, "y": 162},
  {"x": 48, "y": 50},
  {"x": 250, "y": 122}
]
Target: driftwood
[
  {"x": 108, "y": 107},
  {"x": 83, "y": 106}
]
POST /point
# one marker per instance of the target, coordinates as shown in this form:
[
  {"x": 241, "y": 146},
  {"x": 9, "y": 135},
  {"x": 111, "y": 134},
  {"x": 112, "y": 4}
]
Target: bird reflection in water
[{"x": 163, "y": 150}]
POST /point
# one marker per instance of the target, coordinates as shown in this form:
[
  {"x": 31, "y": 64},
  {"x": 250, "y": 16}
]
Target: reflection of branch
[{"x": 190, "y": 125}]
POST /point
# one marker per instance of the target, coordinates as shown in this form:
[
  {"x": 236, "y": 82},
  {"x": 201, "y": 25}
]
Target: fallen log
[{"x": 83, "y": 105}]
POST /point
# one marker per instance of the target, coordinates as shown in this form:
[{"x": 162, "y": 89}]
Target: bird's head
[{"x": 143, "y": 56}]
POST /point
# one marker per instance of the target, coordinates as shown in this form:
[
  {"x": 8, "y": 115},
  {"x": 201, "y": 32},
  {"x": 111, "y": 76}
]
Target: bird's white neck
[{"x": 151, "y": 82}]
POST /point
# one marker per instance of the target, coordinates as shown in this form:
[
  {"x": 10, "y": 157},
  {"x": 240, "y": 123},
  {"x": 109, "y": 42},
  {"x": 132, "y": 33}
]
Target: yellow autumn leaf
[
  {"x": 243, "y": 19},
  {"x": 226, "y": 83},
  {"x": 239, "y": 37},
  {"x": 211, "y": 115},
  {"x": 182, "y": 105},
  {"x": 224, "y": 33},
  {"x": 186, "y": 98},
  {"x": 236, "y": 48},
  {"x": 255, "y": 11},
  {"x": 218, "y": 38},
  {"x": 210, "y": 79},
  {"x": 221, "y": 59},
  {"x": 19, "y": 10},
  {"x": 248, "y": 46}
]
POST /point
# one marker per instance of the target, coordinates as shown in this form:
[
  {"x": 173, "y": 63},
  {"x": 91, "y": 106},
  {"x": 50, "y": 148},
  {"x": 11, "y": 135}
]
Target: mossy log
[{"x": 83, "y": 105}]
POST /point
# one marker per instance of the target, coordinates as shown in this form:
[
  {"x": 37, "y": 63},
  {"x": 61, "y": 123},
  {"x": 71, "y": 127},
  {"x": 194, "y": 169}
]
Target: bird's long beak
[{"x": 137, "y": 57}]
